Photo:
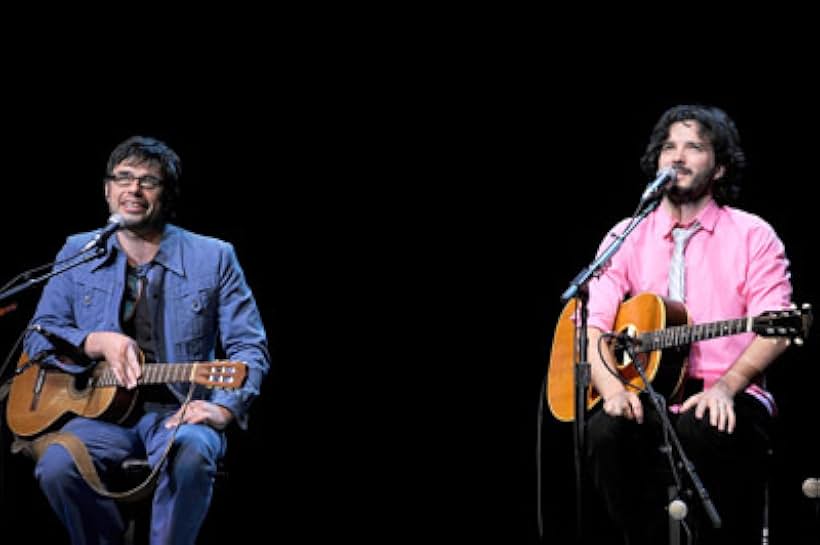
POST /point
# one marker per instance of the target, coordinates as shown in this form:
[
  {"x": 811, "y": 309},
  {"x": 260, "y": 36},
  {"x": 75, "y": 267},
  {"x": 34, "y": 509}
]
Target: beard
[{"x": 701, "y": 185}]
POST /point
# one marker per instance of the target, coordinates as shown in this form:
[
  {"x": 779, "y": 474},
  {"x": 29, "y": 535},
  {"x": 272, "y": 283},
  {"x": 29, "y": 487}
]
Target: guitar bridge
[{"x": 38, "y": 387}]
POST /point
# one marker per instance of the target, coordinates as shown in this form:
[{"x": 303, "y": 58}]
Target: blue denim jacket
[{"x": 203, "y": 299}]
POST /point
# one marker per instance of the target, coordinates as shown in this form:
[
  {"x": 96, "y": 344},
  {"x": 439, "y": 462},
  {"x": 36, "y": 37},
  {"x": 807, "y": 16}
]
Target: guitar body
[
  {"x": 61, "y": 395},
  {"x": 643, "y": 313}
]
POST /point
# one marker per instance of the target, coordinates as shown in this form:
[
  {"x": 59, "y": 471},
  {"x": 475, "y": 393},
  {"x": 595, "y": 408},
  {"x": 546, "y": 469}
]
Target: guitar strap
[
  {"x": 79, "y": 453},
  {"x": 82, "y": 459}
]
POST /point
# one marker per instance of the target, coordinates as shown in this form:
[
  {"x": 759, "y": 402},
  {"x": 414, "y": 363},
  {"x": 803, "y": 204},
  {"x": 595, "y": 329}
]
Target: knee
[
  {"x": 701, "y": 436},
  {"x": 605, "y": 433},
  {"x": 55, "y": 469},
  {"x": 195, "y": 458}
]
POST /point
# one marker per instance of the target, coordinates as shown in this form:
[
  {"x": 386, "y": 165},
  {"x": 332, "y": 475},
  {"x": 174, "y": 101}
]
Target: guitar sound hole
[
  {"x": 626, "y": 365},
  {"x": 81, "y": 382}
]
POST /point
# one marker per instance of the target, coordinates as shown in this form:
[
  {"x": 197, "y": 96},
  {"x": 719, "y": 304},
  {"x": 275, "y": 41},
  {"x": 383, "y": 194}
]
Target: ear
[
  {"x": 105, "y": 186},
  {"x": 719, "y": 172}
]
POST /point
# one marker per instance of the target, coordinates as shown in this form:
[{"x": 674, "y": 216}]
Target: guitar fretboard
[
  {"x": 164, "y": 373},
  {"x": 680, "y": 335}
]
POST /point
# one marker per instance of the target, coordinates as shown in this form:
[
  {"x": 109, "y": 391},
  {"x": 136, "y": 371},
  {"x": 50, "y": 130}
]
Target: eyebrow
[
  {"x": 126, "y": 170},
  {"x": 703, "y": 141}
]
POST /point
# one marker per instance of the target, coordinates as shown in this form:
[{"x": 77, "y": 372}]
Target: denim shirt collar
[
  {"x": 170, "y": 250},
  {"x": 169, "y": 254}
]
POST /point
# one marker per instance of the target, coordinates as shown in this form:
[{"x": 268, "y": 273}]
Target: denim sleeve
[
  {"x": 55, "y": 312},
  {"x": 242, "y": 335}
]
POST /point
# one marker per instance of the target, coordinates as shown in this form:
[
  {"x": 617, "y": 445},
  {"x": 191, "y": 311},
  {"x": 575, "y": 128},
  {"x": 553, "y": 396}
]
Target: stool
[
  {"x": 137, "y": 515},
  {"x": 764, "y": 531}
]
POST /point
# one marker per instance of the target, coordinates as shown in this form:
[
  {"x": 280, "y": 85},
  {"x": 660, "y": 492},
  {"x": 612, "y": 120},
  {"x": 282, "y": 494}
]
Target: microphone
[
  {"x": 45, "y": 332},
  {"x": 62, "y": 345},
  {"x": 627, "y": 338},
  {"x": 115, "y": 223},
  {"x": 56, "y": 340},
  {"x": 655, "y": 188}
]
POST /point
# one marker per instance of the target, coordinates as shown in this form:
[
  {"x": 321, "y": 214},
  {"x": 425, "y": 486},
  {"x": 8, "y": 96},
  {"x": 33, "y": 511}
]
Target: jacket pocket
[
  {"x": 196, "y": 314},
  {"x": 90, "y": 306}
]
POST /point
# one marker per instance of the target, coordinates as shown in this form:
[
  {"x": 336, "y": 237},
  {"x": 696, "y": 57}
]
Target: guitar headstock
[
  {"x": 220, "y": 374},
  {"x": 793, "y": 323}
]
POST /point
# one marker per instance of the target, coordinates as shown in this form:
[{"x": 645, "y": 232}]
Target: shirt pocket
[
  {"x": 90, "y": 305},
  {"x": 196, "y": 313}
]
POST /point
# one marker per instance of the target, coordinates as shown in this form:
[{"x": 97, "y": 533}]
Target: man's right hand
[
  {"x": 626, "y": 404},
  {"x": 618, "y": 400},
  {"x": 120, "y": 351}
]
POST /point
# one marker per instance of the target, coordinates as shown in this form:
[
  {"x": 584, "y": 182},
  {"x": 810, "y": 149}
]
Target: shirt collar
[
  {"x": 707, "y": 218},
  {"x": 169, "y": 254},
  {"x": 170, "y": 250}
]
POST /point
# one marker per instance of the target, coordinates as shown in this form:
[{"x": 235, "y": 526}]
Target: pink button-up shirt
[{"x": 736, "y": 266}]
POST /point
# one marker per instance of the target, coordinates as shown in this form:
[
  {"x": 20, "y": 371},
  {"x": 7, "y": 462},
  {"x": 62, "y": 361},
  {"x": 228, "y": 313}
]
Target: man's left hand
[
  {"x": 202, "y": 412},
  {"x": 720, "y": 404}
]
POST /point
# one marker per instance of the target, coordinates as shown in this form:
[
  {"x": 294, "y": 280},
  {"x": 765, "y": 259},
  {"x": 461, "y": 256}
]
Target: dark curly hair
[
  {"x": 142, "y": 149},
  {"x": 721, "y": 132}
]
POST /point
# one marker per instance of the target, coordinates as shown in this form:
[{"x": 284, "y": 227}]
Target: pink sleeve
[
  {"x": 607, "y": 291},
  {"x": 769, "y": 285}
]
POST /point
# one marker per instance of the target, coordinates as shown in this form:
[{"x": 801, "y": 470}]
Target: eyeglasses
[{"x": 124, "y": 180}]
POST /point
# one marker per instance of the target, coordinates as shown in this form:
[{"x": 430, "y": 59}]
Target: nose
[{"x": 676, "y": 155}]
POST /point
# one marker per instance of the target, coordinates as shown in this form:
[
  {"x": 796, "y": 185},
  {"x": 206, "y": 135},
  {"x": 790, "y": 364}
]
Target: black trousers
[{"x": 632, "y": 475}]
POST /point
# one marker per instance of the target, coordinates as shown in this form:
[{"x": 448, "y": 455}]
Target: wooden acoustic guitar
[
  {"x": 40, "y": 396},
  {"x": 658, "y": 329}
]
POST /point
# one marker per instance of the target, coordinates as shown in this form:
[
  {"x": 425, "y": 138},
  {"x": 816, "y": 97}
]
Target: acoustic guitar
[
  {"x": 658, "y": 330},
  {"x": 41, "y": 397}
]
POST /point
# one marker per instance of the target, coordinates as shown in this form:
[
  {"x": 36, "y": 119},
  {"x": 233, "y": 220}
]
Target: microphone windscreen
[
  {"x": 811, "y": 488},
  {"x": 678, "y": 509}
]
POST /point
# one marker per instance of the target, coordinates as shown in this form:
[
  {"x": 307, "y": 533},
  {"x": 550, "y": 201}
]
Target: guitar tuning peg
[{"x": 798, "y": 341}]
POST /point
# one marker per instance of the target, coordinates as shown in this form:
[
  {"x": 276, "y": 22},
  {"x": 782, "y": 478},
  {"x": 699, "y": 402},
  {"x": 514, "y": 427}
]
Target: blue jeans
[{"x": 184, "y": 487}]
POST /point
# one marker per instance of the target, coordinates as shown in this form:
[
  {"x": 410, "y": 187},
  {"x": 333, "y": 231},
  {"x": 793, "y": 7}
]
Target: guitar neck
[
  {"x": 154, "y": 373},
  {"x": 681, "y": 335}
]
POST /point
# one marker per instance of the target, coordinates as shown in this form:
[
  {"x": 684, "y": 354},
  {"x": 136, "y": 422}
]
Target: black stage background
[{"x": 408, "y": 237}]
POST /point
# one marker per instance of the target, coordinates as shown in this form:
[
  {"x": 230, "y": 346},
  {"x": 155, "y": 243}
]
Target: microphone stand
[
  {"x": 14, "y": 290},
  {"x": 5, "y": 294},
  {"x": 582, "y": 375},
  {"x": 85, "y": 255},
  {"x": 669, "y": 432}
]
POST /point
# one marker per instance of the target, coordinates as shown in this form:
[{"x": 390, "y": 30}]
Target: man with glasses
[{"x": 166, "y": 294}]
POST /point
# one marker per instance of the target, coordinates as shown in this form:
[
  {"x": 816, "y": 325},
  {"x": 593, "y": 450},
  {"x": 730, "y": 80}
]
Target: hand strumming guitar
[
  {"x": 624, "y": 403},
  {"x": 120, "y": 351}
]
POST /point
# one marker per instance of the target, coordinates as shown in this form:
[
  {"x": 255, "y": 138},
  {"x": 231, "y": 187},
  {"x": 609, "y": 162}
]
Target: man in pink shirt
[{"x": 735, "y": 266}]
